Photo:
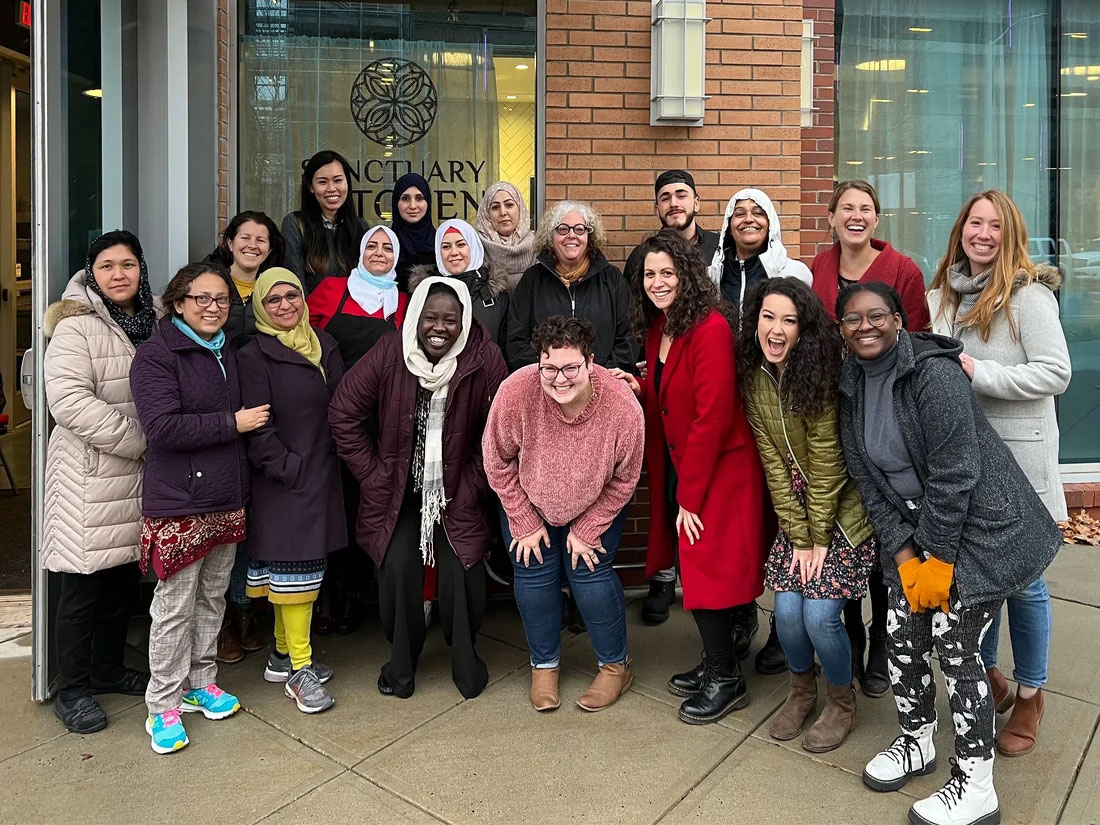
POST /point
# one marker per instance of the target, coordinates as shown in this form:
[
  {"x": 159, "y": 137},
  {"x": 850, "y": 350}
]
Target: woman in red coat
[{"x": 707, "y": 492}]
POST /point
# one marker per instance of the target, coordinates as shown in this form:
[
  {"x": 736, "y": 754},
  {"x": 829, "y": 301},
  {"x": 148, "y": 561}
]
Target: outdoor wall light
[{"x": 678, "y": 63}]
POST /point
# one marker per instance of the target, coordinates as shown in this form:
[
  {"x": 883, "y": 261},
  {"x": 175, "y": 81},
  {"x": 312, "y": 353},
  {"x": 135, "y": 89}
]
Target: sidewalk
[{"x": 435, "y": 758}]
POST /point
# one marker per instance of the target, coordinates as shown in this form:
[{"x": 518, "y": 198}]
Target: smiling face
[
  {"x": 330, "y": 187},
  {"x": 455, "y": 253},
  {"x": 250, "y": 247},
  {"x": 777, "y": 328},
  {"x": 412, "y": 205},
  {"x": 855, "y": 219},
  {"x": 117, "y": 271},
  {"x": 378, "y": 254},
  {"x": 859, "y": 325},
  {"x": 569, "y": 249},
  {"x": 571, "y": 371},
  {"x": 677, "y": 205},
  {"x": 981, "y": 235},
  {"x": 284, "y": 306},
  {"x": 440, "y": 325},
  {"x": 660, "y": 280},
  {"x": 205, "y": 321},
  {"x": 503, "y": 213},
  {"x": 749, "y": 227}
]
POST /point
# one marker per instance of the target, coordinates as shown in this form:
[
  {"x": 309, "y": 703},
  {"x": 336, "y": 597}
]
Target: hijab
[
  {"x": 139, "y": 326},
  {"x": 301, "y": 338},
  {"x": 512, "y": 255},
  {"x": 415, "y": 238},
  {"x": 374, "y": 292},
  {"x": 477, "y": 250}
]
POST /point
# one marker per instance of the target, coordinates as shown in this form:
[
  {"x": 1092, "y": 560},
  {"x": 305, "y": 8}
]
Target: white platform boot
[
  {"x": 911, "y": 754},
  {"x": 967, "y": 798}
]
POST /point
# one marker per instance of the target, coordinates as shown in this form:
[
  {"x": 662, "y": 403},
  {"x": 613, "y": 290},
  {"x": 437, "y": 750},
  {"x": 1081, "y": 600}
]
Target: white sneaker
[
  {"x": 911, "y": 754},
  {"x": 967, "y": 798}
]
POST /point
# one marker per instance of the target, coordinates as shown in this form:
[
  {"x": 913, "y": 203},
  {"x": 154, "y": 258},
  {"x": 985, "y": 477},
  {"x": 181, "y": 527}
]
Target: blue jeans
[
  {"x": 599, "y": 596},
  {"x": 808, "y": 625},
  {"x": 1029, "y": 623}
]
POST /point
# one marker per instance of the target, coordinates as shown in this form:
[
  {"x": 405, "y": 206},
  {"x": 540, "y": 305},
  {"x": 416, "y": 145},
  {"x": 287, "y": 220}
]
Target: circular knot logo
[{"x": 393, "y": 102}]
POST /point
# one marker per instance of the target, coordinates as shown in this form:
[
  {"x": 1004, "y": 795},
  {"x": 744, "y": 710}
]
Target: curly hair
[
  {"x": 696, "y": 294},
  {"x": 887, "y": 293},
  {"x": 597, "y": 237},
  {"x": 179, "y": 286},
  {"x": 812, "y": 371},
  {"x": 561, "y": 331}
]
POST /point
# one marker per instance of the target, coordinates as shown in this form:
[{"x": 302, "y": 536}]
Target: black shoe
[
  {"x": 499, "y": 566},
  {"x": 82, "y": 715},
  {"x": 770, "y": 659},
  {"x": 132, "y": 683},
  {"x": 876, "y": 680},
  {"x": 746, "y": 622},
  {"x": 690, "y": 682},
  {"x": 384, "y": 686},
  {"x": 725, "y": 691},
  {"x": 661, "y": 597}
]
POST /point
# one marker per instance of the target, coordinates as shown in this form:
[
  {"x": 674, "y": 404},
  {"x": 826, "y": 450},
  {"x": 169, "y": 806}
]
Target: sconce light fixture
[{"x": 678, "y": 63}]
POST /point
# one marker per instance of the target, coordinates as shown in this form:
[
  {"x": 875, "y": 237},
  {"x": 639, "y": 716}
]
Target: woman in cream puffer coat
[{"x": 92, "y": 521}]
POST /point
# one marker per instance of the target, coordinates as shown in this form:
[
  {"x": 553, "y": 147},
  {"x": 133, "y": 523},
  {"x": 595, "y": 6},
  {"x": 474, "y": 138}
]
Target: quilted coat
[
  {"x": 372, "y": 424},
  {"x": 94, "y": 459}
]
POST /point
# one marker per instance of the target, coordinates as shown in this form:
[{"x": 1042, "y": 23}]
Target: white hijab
[
  {"x": 374, "y": 292},
  {"x": 434, "y": 376},
  {"x": 469, "y": 234}
]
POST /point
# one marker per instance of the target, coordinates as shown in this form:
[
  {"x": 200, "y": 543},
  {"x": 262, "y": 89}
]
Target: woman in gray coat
[
  {"x": 959, "y": 529},
  {"x": 990, "y": 296}
]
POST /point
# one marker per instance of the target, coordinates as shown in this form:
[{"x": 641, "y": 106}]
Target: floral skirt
[
  {"x": 843, "y": 576},
  {"x": 285, "y": 582},
  {"x": 172, "y": 543}
]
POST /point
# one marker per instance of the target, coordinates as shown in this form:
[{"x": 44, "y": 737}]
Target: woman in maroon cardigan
[{"x": 707, "y": 491}]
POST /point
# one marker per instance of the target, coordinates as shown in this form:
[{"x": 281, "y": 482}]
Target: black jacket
[
  {"x": 979, "y": 512},
  {"x": 601, "y": 296},
  {"x": 488, "y": 292},
  {"x": 734, "y": 271},
  {"x": 240, "y": 326},
  {"x": 707, "y": 245}
]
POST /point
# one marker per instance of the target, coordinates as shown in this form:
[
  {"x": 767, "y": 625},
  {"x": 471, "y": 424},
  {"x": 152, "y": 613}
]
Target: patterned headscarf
[
  {"x": 139, "y": 326},
  {"x": 485, "y": 225}
]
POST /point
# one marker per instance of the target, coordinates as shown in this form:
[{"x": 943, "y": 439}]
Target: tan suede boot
[
  {"x": 1003, "y": 697},
  {"x": 610, "y": 683},
  {"x": 835, "y": 722},
  {"x": 801, "y": 702},
  {"x": 544, "y": 688},
  {"x": 1022, "y": 728}
]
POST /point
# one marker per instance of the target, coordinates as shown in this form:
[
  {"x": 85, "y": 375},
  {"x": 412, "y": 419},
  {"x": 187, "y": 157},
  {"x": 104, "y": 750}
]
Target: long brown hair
[{"x": 1011, "y": 260}]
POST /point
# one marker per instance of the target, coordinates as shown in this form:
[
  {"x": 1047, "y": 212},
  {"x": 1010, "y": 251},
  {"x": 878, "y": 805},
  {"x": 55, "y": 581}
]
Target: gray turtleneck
[{"x": 881, "y": 434}]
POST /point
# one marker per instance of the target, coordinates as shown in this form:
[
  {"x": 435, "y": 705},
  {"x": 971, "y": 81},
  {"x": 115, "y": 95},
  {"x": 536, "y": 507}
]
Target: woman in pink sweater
[{"x": 563, "y": 450}]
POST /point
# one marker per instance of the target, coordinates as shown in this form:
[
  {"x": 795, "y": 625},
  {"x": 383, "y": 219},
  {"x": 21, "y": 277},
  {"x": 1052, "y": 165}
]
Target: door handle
[{"x": 26, "y": 378}]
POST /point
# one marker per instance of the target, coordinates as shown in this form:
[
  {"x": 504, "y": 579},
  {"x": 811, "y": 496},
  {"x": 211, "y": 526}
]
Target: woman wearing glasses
[
  {"x": 195, "y": 489},
  {"x": 296, "y": 514},
  {"x": 563, "y": 451},
  {"x": 571, "y": 277}
]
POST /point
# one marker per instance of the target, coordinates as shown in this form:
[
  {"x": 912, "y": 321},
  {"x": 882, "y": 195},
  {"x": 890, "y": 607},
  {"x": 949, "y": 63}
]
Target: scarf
[
  {"x": 571, "y": 276},
  {"x": 374, "y": 292},
  {"x": 301, "y": 338},
  {"x": 485, "y": 225},
  {"x": 415, "y": 238},
  {"x": 139, "y": 326},
  {"x": 477, "y": 251},
  {"x": 969, "y": 289},
  {"x": 214, "y": 345},
  {"x": 436, "y": 379}
]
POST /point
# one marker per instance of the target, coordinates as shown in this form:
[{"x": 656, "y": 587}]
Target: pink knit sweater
[{"x": 546, "y": 468}]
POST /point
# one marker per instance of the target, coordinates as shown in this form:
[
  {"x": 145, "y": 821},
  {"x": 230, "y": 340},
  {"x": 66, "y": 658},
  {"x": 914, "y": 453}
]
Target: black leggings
[
  {"x": 716, "y": 631},
  {"x": 876, "y": 591}
]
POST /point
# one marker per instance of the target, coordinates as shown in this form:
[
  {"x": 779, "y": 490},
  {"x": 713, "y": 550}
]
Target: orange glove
[
  {"x": 909, "y": 571},
  {"x": 933, "y": 586}
]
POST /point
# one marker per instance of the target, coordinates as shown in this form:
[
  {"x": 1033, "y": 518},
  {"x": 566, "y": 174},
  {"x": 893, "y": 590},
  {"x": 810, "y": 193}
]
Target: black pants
[
  {"x": 462, "y": 596},
  {"x": 853, "y": 610},
  {"x": 92, "y": 616},
  {"x": 716, "y": 631}
]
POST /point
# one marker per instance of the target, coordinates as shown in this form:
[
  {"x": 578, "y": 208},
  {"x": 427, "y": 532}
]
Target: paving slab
[
  {"x": 1072, "y": 574},
  {"x": 349, "y": 799},
  {"x": 495, "y": 760},
  {"x": 1083, "y": 805}
]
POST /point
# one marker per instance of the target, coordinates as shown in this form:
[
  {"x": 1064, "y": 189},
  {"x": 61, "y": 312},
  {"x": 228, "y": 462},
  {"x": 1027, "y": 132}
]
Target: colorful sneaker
[
  {"x": 211, "y": 701},
  {"x": 278, "y": 667},
  {"x": 166, "y": 732},
  {"x": 307, "y": 691}
]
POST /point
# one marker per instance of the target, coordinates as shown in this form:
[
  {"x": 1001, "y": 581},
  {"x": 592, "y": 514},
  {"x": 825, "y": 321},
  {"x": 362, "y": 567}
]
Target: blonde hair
[
  {"x": 1011, "y": 260},
  {"x": 597, "y": 238}
]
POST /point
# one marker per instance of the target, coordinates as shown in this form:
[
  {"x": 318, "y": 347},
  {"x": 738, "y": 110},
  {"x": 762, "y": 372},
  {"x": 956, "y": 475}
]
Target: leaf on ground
[{"x": 1081, "y": 528}]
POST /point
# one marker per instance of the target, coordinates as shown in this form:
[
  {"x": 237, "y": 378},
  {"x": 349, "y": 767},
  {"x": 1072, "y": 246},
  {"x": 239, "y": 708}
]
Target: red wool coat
[
  {"x": 890, "y": 267},
  {"x": 699, "y": 419}
]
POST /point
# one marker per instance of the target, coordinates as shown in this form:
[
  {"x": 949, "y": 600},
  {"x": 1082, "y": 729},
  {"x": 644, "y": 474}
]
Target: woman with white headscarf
[
  {"x": 752, "y": 249},
  {"x": 504, "y": 225}
]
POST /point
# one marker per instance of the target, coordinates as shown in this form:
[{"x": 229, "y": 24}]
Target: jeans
[
  {"x": 599, "y": 596},
  {"x": 808, "y": 625},
  {"x": 1029, "y": 623}
]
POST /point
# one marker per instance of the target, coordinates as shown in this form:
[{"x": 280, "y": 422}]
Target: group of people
[{"x": 429, "y": 397}]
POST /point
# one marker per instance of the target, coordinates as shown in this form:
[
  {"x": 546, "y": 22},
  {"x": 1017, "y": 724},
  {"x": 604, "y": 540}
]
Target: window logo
[{"x": 394, "y": 102}]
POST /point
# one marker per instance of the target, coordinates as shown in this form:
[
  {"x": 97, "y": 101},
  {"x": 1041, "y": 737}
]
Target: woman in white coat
[
  {"x": 988, "y": 294},
  {"x": 93, "y": 473}
]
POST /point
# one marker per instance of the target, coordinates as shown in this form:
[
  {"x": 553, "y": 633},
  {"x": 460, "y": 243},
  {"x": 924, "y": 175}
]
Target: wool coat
[
  {"x": 296, "y": 507},
  {"x": 979, "y": 512},
  {"x": 195, "y": 462},
  {"x": 92, "y": 517},
  {"x": 1017, "y": 375},
  {"x": 890, "y": 267},
  {"x": 698, "y": 418},
  {"x": 373, "y": 423}
]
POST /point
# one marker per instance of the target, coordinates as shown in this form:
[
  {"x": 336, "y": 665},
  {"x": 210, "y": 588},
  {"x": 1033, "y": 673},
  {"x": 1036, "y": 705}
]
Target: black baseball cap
[{"x": 673, "y": 176}]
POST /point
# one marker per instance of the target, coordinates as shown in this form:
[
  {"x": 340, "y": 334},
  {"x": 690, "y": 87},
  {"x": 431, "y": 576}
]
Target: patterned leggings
[{"x": 957, "y": 637}]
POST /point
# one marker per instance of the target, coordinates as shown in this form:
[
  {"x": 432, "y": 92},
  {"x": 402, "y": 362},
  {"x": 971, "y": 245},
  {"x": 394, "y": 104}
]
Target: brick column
[
  {"x": 818, "y": 158},
  {"x": 223, "y": 113}
]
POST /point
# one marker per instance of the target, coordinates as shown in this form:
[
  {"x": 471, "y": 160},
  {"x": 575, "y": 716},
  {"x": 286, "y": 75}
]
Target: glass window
[{"x": 444, "y": 90}]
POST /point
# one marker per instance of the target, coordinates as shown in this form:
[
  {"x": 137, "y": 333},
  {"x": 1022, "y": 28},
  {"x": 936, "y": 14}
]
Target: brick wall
[
  {"x": 818, "y": 159},
  {"x": 223, "y": 113}
]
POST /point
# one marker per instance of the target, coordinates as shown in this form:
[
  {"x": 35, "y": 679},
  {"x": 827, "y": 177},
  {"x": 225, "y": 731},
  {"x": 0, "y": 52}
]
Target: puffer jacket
[
  {"x": 832, "y": 497},
  {"x": 95, "y": 455},
  {"x": 488, "y": 293}
]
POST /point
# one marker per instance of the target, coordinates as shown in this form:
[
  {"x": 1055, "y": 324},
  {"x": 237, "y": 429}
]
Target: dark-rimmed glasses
[
  {"x": 203, "y": 301},
  {"x": 876, "y": 317},
  {"x": 563, "y": 229},
  {"x": 549, "y": 372}
]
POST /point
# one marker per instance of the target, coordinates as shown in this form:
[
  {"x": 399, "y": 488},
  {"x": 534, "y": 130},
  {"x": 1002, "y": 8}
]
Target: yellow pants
[{"x": 292, "y": 632}]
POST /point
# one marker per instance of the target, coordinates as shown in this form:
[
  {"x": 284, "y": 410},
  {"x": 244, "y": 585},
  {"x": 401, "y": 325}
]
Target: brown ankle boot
[
  {"x": 229, "y": 646},
  {"x": 835, "y": 722},
  {"x": 801, "y": 702},
  {"x": 248, "y": 631},
  {"x": 1019, "y": 735},
  {"x": 610, "y": 683},
  {"x": 544, "y": 688},
  {"x": 1003, "y": 697}
]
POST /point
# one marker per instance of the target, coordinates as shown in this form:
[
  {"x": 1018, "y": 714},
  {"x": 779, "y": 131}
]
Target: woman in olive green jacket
[{"x": 789, "y": 357}]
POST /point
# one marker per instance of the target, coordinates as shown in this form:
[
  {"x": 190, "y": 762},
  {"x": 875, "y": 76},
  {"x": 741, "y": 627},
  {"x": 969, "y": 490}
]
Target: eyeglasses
[
  {"x": 580, "y": 230},
  {"x": 273, "y": 301},
  {"x": 549, "y": 372},
  {"x": 203, "y": 301},
  {"x": 876, "y": 317}
]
